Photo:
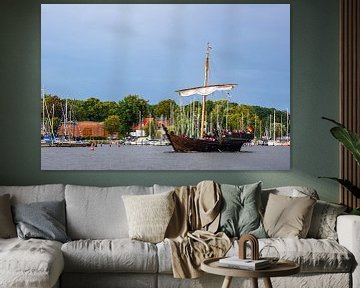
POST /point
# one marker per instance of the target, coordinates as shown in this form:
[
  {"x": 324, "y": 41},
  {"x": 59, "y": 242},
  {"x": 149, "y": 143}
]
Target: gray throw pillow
[
  {"x": 7, "y": 226},
  {"x": 240, "y": 213},
  {"x": 44, "y": 220},
  {"x": 323, "y": 222}
]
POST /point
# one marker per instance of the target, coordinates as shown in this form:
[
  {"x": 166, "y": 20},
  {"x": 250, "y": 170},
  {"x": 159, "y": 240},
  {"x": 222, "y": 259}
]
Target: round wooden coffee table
[{"x": 281, "y": 268}]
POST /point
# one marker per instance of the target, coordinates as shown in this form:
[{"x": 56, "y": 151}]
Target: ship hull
[{"x": 226, "y": 144}]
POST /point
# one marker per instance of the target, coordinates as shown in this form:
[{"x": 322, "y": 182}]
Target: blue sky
[{"x": 109, "y": 51}]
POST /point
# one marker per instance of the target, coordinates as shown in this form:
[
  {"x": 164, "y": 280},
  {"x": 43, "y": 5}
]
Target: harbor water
[{"x": 134, "y": 157}]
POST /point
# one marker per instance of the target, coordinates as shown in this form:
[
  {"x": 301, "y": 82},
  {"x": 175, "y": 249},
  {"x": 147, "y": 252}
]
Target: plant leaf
[
  {"x": 333, "y": 121},
  {"x": 347, "y": 184},
  {"x": 348, "y": 138}
]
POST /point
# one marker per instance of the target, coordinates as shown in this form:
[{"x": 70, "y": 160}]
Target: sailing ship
[{"x": 221, "y": 142}]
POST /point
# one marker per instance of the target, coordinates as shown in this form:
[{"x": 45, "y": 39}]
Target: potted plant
[{"x": 351, "y": 141}]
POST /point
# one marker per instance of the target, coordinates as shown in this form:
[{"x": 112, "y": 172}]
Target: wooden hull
[{"x": 226, "y": 144}]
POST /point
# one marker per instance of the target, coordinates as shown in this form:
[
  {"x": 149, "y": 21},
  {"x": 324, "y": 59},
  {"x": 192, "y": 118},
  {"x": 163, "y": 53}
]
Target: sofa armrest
[{"x": 348, "y": 230}]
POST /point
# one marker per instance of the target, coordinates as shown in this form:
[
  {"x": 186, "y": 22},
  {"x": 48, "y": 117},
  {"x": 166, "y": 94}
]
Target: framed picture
[{"x": 165, "y": 87}]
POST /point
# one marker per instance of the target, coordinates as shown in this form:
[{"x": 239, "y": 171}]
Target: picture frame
[{"x": 119, "y": 82}]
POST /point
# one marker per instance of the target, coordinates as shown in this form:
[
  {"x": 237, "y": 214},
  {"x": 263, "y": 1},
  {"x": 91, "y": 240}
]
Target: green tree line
[{"x": 121, "y": 116}]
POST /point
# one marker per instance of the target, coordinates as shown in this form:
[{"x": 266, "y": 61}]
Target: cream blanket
[{"x": 191, "y": 231}]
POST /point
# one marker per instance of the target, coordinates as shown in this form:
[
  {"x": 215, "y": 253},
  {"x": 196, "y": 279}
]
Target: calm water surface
[{"x": 134, "y": 157}]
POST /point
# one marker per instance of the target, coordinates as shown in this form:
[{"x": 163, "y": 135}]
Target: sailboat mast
[
  {"x": 206, "y": 80},
  {"x": 274, "y": 128},
  {"x": 43, "y": 110},
  {"x": 65, "y": 119},
  {"x": 287, "y": 124}
]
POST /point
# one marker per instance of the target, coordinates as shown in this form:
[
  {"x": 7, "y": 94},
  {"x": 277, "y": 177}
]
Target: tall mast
[
  {"x": 205, "y": 90},
  {"x": 149, "y": 123},
  {"x": 206, "y": 80},
  {"x": 43, "y": 110},
  {"x": 52, "y": 124},
  {"x": 274, "y": 128},
  {"x": 287, "y": 124},
  {"x": 227, "y": 112},
  {"x": 269, "y": 132},
  {"x": 65, "y": 119},
  {"x": 281, "y": 127}
]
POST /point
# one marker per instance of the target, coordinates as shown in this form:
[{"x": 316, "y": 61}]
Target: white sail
[{"x": 205, "y": 90}]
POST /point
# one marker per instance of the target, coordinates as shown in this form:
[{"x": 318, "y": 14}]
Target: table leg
[
  {"x": 267, "y": 283},
  {"x": 227, "y": 282},
  {"x": 254, "y": 282}
]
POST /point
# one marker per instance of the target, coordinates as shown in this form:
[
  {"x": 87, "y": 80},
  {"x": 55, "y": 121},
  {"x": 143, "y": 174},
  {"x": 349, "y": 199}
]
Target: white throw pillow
[{"x": 149, "y": 215}]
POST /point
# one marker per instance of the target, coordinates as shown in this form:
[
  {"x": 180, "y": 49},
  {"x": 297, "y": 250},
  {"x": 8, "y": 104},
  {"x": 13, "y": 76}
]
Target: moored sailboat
[{"x": 221, "y": 142}]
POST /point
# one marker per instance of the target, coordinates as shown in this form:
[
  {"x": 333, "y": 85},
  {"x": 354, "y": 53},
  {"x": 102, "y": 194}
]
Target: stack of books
[{"x": 248, "y": 264}]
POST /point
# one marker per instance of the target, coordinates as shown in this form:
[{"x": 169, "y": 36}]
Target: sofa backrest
[
  {"x": 98, "y": 212},
  {"x": 35, "y": 193},
  {"x": 163, "y": 188},
  {"x": 293, "y": 191}
]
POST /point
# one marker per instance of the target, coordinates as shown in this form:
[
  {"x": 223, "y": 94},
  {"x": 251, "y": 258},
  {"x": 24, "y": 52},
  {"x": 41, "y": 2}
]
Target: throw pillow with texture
[
  {"x": 149, "y": 215},
  {"x": 240, "y": 213},
  {"x": 288, "y": 217},
  {"x": 323, "y": 222},
  {"x": 7, "y": 226},
  {"x": 43, "y": 220}
]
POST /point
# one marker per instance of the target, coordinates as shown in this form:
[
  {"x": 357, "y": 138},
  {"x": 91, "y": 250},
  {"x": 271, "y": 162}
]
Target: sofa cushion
[
  {"x": 34, "y": 193},
  {"x": 164, "y": 257},
  {"x": 323, "y": 222},
  {"x": 43, "y": 220},
  {"x": 287, "y": 216},
  {"x": 109, "y": 280},
  {"x": 149, "y": 215},
  {"x": 117, "y": 255},
  {"x": 30, "y": 263},
  {"x": 7, "y": 226},
  {"x": 313, "y": 255},
  {"x": 98, "y": 213},
  {"x": 240, "y": 210}
]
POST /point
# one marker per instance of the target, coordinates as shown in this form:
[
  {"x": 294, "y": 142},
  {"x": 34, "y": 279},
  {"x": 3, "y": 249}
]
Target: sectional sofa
[{"x": 99, "y": 253}]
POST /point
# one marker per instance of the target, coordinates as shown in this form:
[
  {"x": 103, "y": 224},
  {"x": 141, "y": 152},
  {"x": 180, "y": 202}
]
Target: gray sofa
[{"x": 101, "y": 254}]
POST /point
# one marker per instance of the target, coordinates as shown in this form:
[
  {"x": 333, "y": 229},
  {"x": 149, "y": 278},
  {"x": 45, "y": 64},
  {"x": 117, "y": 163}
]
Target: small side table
[{"x": 281, "y": 268}]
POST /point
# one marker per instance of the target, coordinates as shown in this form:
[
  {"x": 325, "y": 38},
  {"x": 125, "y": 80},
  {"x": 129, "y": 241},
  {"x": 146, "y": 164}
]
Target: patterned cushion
[{"x": 323, "y": 223}]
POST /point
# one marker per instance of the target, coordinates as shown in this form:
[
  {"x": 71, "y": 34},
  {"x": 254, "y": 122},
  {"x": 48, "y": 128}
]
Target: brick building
[{"x": 83, "y": 129}]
